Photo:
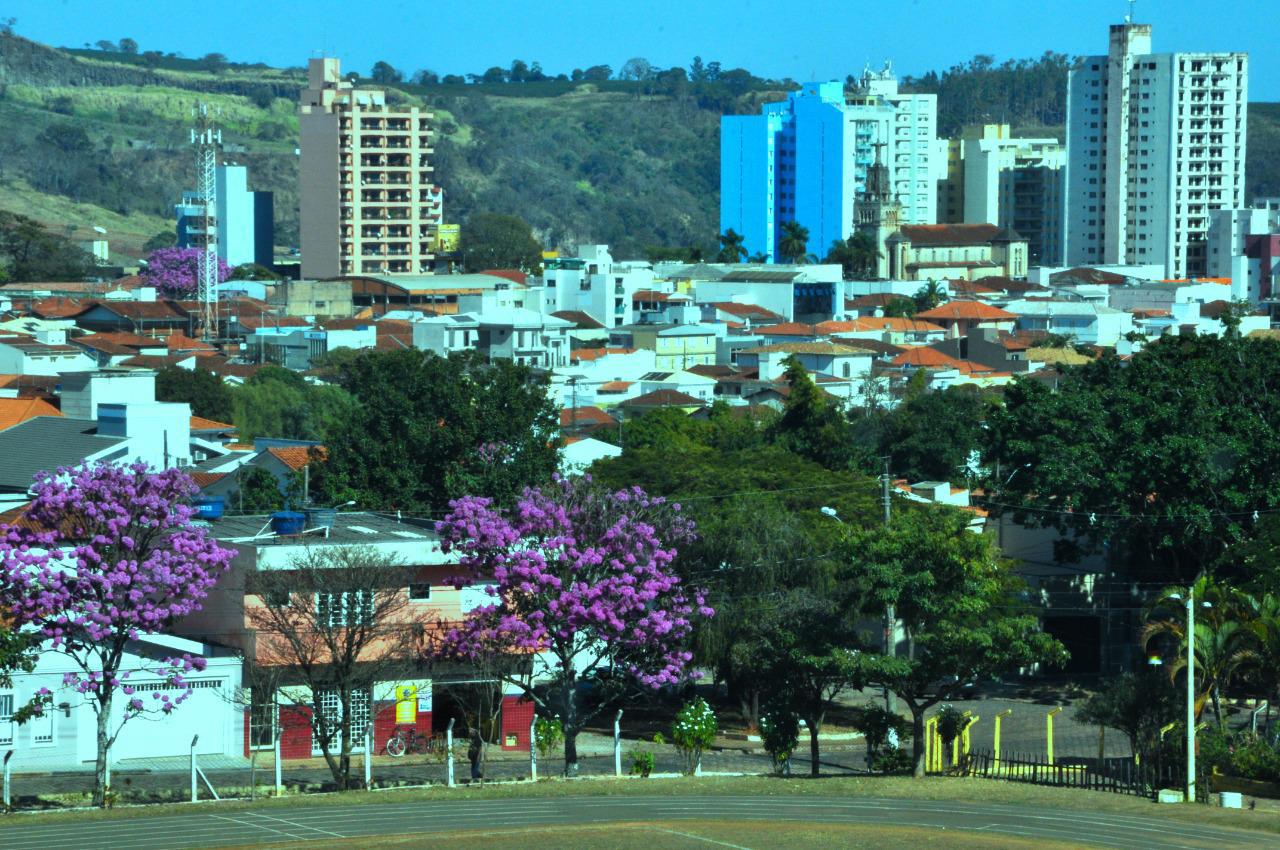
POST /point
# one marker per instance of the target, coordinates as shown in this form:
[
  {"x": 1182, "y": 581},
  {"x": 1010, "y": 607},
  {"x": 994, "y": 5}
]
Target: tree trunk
[
  {"x": 814, "y": 756},
  {"x": 917, "y": 740},
  {"x": 569, "y": 723},
  {"x": 100, "y": 768},
  {"x": 1217, "y": 705}
]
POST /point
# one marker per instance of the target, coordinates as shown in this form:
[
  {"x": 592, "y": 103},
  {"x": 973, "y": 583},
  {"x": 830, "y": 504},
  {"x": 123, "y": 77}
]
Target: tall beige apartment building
[{"x": 367, "y": 202}]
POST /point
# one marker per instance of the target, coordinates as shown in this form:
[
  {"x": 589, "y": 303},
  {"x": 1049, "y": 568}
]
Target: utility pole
[
  {"x": 1191, "y": 695},
  {"x": 890, "y": 616},
  {"x": 206, "y": 139}
]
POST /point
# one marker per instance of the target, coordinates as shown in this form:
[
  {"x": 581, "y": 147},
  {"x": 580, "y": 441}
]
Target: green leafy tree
[
  {"x": 208, "y": 396},
  {"x": 731, "y": 247},
  {"x": 812, "y": 425},
  {"x": 385, "y": 73},
  {"x": 492, "y": 241},
  {"x": 276, "y": 402},
  {"x": 1170, "y": 452},
  {"x": 957, "y": 603},
  {"x": 811, "y": 652},
  {"x": 253, "y": 271},
  {"x": 28, "y": 252},
  {"x": 258, "y": 491},
  {"x": 1137, "y": 704},
  {"x": 428, "y": 429},
  {"x": 933, "y": 436},
  {"x": 857, "y": 255},
  {"x": 900, "y": 307},
  {"x": 163, "y": 239},
  {"x": 794, "y": 244}
]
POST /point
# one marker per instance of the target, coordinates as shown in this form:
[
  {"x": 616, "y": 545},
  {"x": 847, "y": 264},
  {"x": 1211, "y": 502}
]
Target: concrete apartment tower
[
  {"x": 1155, "y": 141},
  {"x": 993, "y": 178},
  {"x": 365, "y": 192},
  {"x": 807, "y": 159}
]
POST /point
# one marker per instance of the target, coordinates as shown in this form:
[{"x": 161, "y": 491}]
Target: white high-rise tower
[{"x": 1154, "y": 142}]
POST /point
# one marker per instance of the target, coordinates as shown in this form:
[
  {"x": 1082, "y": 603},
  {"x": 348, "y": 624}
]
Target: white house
[
  {"x": 822, "y": 358},
  {"x": 45, "y": 353},
  {"x": 1086, "y": 322},
  {"x": 65, "y": 736},
  {"x": 580, "y": 452}
]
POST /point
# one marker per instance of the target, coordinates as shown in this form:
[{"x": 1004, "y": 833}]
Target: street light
[{"x": 1189, "y": 792}]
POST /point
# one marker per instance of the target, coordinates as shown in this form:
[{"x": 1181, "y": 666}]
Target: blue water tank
[
  {"x": 287, "y": 522},
  {"x": 210, "y": 507}
]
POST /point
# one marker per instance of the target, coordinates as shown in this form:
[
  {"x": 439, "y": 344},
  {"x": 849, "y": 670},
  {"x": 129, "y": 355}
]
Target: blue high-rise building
[{"x": 805, "y": 159}]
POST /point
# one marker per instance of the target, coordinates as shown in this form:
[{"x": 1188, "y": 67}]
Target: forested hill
[{"x": 97, "y": 137}]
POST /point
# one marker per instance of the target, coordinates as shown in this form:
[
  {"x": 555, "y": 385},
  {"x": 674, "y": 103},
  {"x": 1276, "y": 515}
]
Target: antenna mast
[{"x": 206, "y": 139}]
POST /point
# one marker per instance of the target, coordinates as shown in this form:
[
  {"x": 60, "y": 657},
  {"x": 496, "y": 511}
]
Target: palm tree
[
  {"x": 731, "y": 247},
  {"x": 794, "y": 244},
  {"x": 1222, "y": 640},
  {"x": 1262, "y": 656},
  {"x": 930, "y": 295}
]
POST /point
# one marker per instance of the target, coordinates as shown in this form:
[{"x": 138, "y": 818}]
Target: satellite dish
[{"x": 99, "y": 229}]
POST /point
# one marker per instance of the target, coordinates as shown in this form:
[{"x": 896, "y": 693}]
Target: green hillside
[{"x": 91, "y": 138}]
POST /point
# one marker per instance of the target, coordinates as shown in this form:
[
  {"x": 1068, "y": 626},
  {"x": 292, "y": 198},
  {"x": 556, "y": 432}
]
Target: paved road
[{"x": 271, "y": 824}]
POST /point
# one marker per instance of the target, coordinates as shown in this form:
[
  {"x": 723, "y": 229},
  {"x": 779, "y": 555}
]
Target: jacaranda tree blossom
[
  {"x": 104, "y": 554},
  {"x": 581, "y": 577},
  {"x": 174, "y": 271}
]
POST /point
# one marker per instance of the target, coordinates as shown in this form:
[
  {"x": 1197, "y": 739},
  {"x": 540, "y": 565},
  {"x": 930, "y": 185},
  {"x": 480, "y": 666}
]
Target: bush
[
  {"x": 885, "y": 733},
  {"x": 693, "y": 731},
  {"x": 780, "y": 733},
  {"x": 550, "y": 735}
]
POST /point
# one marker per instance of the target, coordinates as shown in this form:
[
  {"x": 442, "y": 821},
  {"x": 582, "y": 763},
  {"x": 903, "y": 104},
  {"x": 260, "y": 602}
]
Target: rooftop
[
  {"x": 45, "y": 443},
  {"x": 970, "y": 310},
  {"x": 349, "y": 527}
]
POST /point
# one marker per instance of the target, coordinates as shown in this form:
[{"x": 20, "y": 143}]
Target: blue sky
[{"x": 773, "y": 38}]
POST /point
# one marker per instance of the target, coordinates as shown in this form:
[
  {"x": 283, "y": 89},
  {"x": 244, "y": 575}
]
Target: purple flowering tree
[
  {"x": 582, "y": 584},
  {"x": 173, "y": 271},
  {"x": 105, "y": 554}
]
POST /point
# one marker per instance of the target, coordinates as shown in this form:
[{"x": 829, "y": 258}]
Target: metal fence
[{"x": 1121, "y": 776}]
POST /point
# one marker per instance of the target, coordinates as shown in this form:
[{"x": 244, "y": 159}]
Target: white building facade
[{"x": 1155, "y": 142}]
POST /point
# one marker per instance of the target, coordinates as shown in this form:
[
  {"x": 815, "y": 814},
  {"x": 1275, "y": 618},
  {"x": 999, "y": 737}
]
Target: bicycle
[{"x": 407, "y": 739}]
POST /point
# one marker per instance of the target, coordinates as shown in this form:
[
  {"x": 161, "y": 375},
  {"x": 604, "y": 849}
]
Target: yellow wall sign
[{"x": 406, "y": 704}]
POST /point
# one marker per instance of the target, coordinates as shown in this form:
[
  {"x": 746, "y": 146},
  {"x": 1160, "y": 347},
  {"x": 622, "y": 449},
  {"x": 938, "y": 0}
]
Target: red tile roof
[
  {"x": 930, "y": 358},
  {"x": 879, "y": 323},
  {"x": 746, "y": 311},
  {"x": 584, "y": 416},
  {"x": 117, "y": 342},
  {"x": 181, "y": 342},
  {"x": 590, "y": 354},
  {"x": 204, "y": 479},
  {"x": 966, "y": 310},
  {"x": 786, "y": 329},
  {"x": 296, "y": 457},
  {"x": 513, "y": 275},
  {"x": 664, "y": 398},
  {"x": 614, "y": 387},
  {"x": 928, "y": 235},
  {"x": 153, "y": 310},
  {"x": 199, "y": 423},
  {"x": 15, "y": 411},
  {"x": 60, "y": 308}
]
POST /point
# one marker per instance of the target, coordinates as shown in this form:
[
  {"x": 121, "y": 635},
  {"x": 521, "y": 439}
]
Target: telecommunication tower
[{"x": 206, "y": 139}]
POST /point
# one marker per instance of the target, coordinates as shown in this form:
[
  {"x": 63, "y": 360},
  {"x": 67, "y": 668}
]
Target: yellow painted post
[
  {"x": 1048, "y": 731},
  {"x": 955, "y": 743},
  {"x": 999, "y": 722},
  {"x": 965, "y": 736},
  {"x": 934, "y": 742},
  {"x": 929, "y": 723}
]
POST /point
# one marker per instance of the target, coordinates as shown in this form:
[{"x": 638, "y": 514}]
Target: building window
[
  {"x": 420, "y": 590},
  {"x": 6, "y": 719},
  {"x": 262, "y": 719},
  {"x": 42, "y": 729},
  {"x": 350, "y": 608}
]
